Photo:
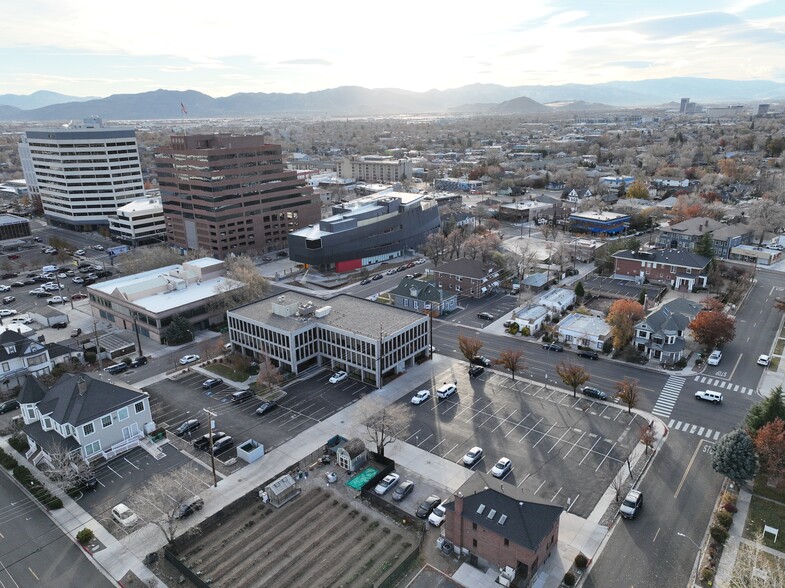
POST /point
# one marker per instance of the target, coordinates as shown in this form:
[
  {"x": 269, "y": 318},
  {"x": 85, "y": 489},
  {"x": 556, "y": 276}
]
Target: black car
[
  {"x": 18, "y": 284},
  {"x": 426, "y": 507},
  {"x": 481, "y": 360},
  {"x": 402, "y": 490},
  {"x": 188, "y": 507},
  {"x": 266, "y": 407},
  {"x": 61, "y": 325},
  {"x": 486, "y": 316},
  {"x": 267, "y": 258},
  {"x": 117, "y": 368},
  {"x": 187, "y": 427},
  {"x": 223, "y": 444},
  {"x": 103, "y": 273},
  {"x": 476, "y": 371},
  {"x": 8, "y": 276},
  {"x": 212, "y": 383},
  {"x": 138, "y": 361},
  {"x": 553, "y": 347},
  {"x": 595, "y": 393},
  {"x": 203, "y": 442},
  {"x": 8, "y": 406},
  {"x": 588, "y": 354},
  {"x": 88, "y": 482},
  {"x": 378, "y": 277},
  {"x": 242, "y": 395},
  {"x": 365, "y": 281}
]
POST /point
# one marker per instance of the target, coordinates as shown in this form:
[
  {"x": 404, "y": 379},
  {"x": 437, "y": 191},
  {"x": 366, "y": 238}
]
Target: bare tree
[
  {"x": 628, "y": 392},
  {"x": 270, "y": 376},
  {"x": 510, "y": 359},
  {"x": 455, "y": 240},
  {"x": 159, "y": 500},
  {"x": 617, "y": 484},
  {"x": 383, "y": 426},
  {"x": 67, "y": 469},
  {"x": 766, "y": 216},
  {"x": 573, "y": 375},
  {"x": 434, "y": 248},
  {"x": 469, "y": 346},
  {"x": 148, "y": 258},
  {"x": 647, "y": 437},
  {"x": 239, "y": 269}
]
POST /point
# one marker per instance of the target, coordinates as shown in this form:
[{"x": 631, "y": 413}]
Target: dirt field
[{"x": 318, "y": 539}]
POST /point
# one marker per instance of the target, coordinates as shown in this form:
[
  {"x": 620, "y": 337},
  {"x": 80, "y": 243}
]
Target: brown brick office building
[{"x": 230, "y": 194}]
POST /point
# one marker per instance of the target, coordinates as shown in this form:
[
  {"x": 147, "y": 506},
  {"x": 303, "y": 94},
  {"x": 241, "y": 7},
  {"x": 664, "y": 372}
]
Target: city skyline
[{"x": 90, "y": 49}]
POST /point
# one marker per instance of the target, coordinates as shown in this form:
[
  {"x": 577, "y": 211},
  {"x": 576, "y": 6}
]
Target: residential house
[
  {"x": 82, "y": 414},
  {"x": 576, "y": 194},
  {"x": 557, "y": 299},
  {"x": 661, "y": 334},
  {"x": 498, "y": 525},
  {"x": 532, "y": 317},
  {"x": 536, "y": 282},
  {"x": 679, "y": 268},
  {"x": 584, "y": 330},
  {"x": 21, "y": 356},
  {"x": 469, "y": 278},
  {"x": 458, "y": 219},
  {"x": 420, "y": 295},
  {"x": 687, "y": 233}
]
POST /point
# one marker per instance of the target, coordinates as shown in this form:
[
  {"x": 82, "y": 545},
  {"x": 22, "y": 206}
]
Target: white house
[
  {"x": 532, "y": 317},
  {"x": 584, "y": 330},
  {"x": 82, "y": 414},
  {"x": 21, "y": 357},
  {"x": 557, "y": 299}
]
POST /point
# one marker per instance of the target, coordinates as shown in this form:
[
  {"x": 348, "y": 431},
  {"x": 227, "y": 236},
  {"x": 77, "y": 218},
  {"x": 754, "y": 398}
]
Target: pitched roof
[
  {"x": 420, "y": 290},
  {"x": 22, "y": 345},
  {"x": 505, "y": 510},
  {"x": 65, "y": 403},
  {"x": 695, "y": 226},
  {"x": 471, "y": 268},
  {"x": 677, "y": 257}
]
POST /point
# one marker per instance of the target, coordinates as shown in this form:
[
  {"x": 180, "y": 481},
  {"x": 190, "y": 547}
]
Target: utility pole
[
  {"x": 211, "y": 416},
  {"x": 136, "y": 330},
  {"x": 97, "y": 345}
]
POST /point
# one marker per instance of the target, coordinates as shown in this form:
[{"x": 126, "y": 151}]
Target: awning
[{"x": 495, "y": 285}]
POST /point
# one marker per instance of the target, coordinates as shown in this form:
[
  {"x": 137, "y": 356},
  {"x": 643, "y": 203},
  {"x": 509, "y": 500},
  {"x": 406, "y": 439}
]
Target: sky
[{"x": 92, "y": 48}]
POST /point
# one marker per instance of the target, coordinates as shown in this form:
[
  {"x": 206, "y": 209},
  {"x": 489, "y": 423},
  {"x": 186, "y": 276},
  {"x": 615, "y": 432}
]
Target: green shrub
[
  {"x": 7, "y": 461},
  {"x": 707, "y": 574},
  {"x": 526, "y": 331},
  {"x": 513, "y": 328},
  {"x": 22, "y": 474},
  {"x": 607, "y": 346},
  {"x": 85, "y": 536},
  {"x": 127, "y": 361},
  {"x": 19, "y": 442},
  {"x": 569, "y": 579},
  {"x": 719, "y": 534},
  {"x": 90, "y": 356},
  {"x": 581, "y": 561},
  {"x": 546, "y": 338},
  {"x": 725, "y": 519}
]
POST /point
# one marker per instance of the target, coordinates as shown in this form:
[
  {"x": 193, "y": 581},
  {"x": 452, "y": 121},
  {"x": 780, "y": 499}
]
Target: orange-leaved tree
[
  {"x": 712, "y": 328},
  {"x": 573, "y": 375},
  {"x": 770, "y": 443},
  {"x": 622, "y": 316},
  {"x": 510, "y": 359},
  {"x": 469, "y": 346}
]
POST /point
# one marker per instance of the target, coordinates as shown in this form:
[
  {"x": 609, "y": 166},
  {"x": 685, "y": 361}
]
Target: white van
[
  {"x": 48, "y": 269},
  {"x": 709, "y": 395}
]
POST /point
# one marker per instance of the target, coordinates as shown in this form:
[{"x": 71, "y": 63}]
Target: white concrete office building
[
  {"x": 139, "y": 222},
  {"x": 82, "y": 173}
]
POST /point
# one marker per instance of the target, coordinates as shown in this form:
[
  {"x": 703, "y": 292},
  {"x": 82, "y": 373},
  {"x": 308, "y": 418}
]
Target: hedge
[
  {"x": 7, "y": 461},
  {"x": 19, "y": 443},
  {"x": 34, "y": 487}
]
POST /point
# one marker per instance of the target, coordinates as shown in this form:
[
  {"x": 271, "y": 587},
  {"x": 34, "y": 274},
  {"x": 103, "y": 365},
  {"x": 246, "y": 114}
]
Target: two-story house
[
  {"x": 687, "y": 233},
  {"x": 420, "y": 295},
  {"x": 498, "y": 525},
  {"x": 21, "y": 356},
  {"x": 660, "y": 335},
  {"x": 679, "y": 268},
  {"x": 469, "y": 278},
  {"x": 82, "y": 414}
]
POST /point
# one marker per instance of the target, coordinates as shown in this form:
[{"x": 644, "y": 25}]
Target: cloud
[
  {"x": 631, "y": 64},
  {"x": 525, "y": 50},
  {"x": 314, "y": 61}
]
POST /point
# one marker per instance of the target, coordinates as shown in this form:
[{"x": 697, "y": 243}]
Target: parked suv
[
  {"x": 481, "y": 360},
  {"x": 632, "y": 504},
  {"x": 242, "y": 395},
  {"x": 715, "y": 357},
  {"x": 117, "y": 368},
  {"x": 446, "y": 390}
]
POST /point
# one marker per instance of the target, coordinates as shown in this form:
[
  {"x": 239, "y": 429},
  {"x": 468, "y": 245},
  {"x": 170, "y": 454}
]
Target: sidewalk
[{"x": 731, "y": 549}]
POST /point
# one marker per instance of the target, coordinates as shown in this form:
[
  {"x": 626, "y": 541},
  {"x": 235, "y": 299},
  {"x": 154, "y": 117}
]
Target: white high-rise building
[
  {"x": 82, "y": 173},
  {"x": 140, "y": 222}
]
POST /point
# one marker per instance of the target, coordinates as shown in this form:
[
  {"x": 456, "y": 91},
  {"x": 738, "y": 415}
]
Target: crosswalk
[
  {"x": 724, "y": 385},
  {"x": 668, "y": 396},
  {"x": 694, "y": 429}
]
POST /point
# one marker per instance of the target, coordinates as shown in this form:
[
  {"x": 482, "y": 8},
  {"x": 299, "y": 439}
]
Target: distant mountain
[
  {"x": 580, "y": 106},
  {"x": 37, "y": 99},
  {"x": 358, "y": 101}
]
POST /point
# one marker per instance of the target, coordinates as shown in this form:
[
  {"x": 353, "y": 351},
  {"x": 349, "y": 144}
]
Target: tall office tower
[
  {"x": 81, "y": 174},
  {"x": 227, "y": 193},
  {"x": 683, "y": 105}
]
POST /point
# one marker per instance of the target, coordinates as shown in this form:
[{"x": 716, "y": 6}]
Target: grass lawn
[
  {"x": 226, "y": 372},
  {"x": 779, "y": 347},
  {"x": 762, "y": 512},
  {"x": 762, "y": 488},
  {"x": 775, "y": 362}
]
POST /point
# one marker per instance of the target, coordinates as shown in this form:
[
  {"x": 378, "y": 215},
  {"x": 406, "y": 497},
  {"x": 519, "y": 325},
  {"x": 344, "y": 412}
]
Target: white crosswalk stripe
[
  {"x": 691, "y": 429},
  {"x": 730, "y": 386},
  {"x": 668, "y": 396}
]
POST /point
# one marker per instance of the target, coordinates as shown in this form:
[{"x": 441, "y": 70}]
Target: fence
[{"x": 184, "y": 569}]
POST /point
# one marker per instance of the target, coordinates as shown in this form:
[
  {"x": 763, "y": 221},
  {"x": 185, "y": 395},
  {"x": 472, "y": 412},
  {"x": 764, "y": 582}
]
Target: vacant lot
[{"x": 318, "y": 539}]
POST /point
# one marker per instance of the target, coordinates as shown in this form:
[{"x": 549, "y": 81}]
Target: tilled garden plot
[{"x": 318, "y": 539}]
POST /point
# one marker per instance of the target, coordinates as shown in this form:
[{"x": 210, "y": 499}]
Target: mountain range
[{"x": 359, "y": 101}]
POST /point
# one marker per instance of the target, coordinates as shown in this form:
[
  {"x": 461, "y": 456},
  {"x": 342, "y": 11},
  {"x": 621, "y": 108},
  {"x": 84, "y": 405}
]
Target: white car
[
  {"x": 338, "y": 377},
  {"x": 421, "y": 396},
  {"x": 77, "y": 280},
  {"x": 4, "y": 288},
  {"x": 764, "y": 360},
  {"x": 35, "y": 291},
  {"x": 55, "y": 300},
  {"x": 79, "y": 252},
  {"x": 7, "y": 312},
  {"x": 502, "y": 468},
  {"x": 124, "y": 515},
  {"x": 436, "y": 518},
  {"x": 472, "y": 456},
  {"x": 186, "y": 359},
  {"x": 98, "y": 247},
  {"x": 387, "y": 482},
  {"x": 715, "y": 357},
  {"x": 446, "y": 390}
]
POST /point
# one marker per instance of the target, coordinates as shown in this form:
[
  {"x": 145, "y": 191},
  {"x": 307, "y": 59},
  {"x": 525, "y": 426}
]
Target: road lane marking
[
  {"x": 689, "y": 466},
  {"x": 32, "y": 572}
]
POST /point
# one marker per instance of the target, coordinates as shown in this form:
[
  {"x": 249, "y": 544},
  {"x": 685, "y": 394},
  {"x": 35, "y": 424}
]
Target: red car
[{"x": 13, "y": 256}]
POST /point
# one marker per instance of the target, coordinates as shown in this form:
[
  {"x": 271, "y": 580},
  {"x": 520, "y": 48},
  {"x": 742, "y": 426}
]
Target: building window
[
  {"x": 88, "y": 429},
  {"x": 92, "y": 448},
  {"x": 506, "y": 542},
  {"x": 474, "y": 526},
  {"x": 46, "y": 423},
  {"x": 122, "y": 414},
  {"x": 106, "y": 421},
  {"x": 5, "y": 366},
  {"x": 474, "y": 542},
  {"x": 139, "y": 407}
]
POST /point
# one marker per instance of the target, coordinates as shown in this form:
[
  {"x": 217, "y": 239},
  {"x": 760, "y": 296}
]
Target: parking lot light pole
[
  {"x": 212, "y": 415},
  {"x": 695, "y": 544}
]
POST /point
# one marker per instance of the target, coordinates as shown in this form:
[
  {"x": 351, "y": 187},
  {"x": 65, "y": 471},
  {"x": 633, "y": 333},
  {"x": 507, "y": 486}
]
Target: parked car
[
  {"x": 203, "y": 442},
  {"x": 79, "y": 296},
  {"x": 594, "y": 393},
  {"x": 472, "y": 456},
  {"x": 78, "y": 280},
  {"x": 138, "y": 361},
  {"x": 186, "y": 359},
  {"x": 764, "y": 360},
  {"x": 242, "y": 395},
  {"x": 553, "y": 347},
  {"x": 76, "y": 332},
  {"x": 481, "y": 360},
  {"x": 588, "y": 354},
  {"x": 8, "y": 299},
  {"x": 338, "y": 377},
  {"x": 7, "y": 312},
  {"x": 402, "y": 490},
  {"x": 59, "y": 325},
  {"x": 212, "y": 383},
  {"x": 377, "y": 277},
  {"x": 365, "y": 282},
  {"x": 476, "y": 371},
  {"x": 223, "y": 444},
  {"x": 425, "y": 508},
  {"x": 266, "y": 407},
  {"x": 25, "y": 320},
  {"x": 98, "y": 247},
  {"x": 715, "y": 357},
  {"x": 386, "y": 484},
  {"x": 8, "y": 406},
  {"x": 446, "y": 390},
  {"x": 187, "y": 427},
  {"x": 56, "y": 300},
  {"x": 79, "y": 252},
  {"x": 116, "y": 368},
  {"x": 485, "y": 316},
  {"x": 632, "y": 505},
  {"x": 188, "y": 507},
  {"x": 437, "y": 516},
  {"x": 124, "y": 515},
  {"x": 421, "y": 396},
  {"x": 502, "y": 468}
]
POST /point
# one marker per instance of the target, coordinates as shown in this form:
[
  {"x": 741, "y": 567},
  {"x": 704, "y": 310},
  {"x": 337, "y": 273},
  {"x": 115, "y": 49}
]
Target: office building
[
  {"x": 230, "y": 194},
  {"x": 139, "y": 222},
  {"x": 83, "y": 173},
  {"x": 375, "y": 168}
]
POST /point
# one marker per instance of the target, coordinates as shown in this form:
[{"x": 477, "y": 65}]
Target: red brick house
[
  {"x": 679, "y": 268},
  {"x": 498, "y": 525},
  {"x": 468, "y": 278}
]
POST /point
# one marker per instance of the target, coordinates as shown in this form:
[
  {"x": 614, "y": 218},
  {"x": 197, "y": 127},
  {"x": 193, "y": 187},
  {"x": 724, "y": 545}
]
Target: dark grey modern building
[{"x": 366, "y": 231}]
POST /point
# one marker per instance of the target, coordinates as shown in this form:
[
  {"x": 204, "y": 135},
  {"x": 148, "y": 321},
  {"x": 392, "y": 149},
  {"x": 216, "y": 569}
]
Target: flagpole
[{"x": 184, "y": 110}]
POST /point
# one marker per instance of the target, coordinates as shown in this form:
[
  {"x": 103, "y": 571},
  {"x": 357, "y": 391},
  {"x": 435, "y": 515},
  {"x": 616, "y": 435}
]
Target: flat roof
[
  {"x": 12, "y": 219},
  {"x": 146, "y": 203},
  {"x": 356, "y": 315},
  {"x": 599, "y": 216}
]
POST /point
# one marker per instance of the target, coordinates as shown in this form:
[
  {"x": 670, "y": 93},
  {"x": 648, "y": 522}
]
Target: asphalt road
[{"x": 33, "y": 550}]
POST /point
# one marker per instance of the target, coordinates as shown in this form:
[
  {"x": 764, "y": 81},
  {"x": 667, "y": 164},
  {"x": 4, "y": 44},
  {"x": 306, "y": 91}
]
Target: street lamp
[
  {"x": 698, "y": 547},
  {"x": 211, "y": 416}
]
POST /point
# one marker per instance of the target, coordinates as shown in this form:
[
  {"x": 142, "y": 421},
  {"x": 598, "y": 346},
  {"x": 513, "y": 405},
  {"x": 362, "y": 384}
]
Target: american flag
[{"x": 183, "y": 109}]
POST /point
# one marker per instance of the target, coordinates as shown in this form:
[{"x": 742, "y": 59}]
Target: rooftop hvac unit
[{"x": 322, "y": 312}]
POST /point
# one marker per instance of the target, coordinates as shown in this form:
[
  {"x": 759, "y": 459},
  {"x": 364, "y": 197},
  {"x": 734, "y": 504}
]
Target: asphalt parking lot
[
  {"x": 563, "y": 449},
  {"x": 498, "y": 305},
  {"x": 305, "y": 403}
]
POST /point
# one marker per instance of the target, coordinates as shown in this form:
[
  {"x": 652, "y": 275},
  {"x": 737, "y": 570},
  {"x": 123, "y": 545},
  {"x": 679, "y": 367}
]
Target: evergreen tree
[
  {"x": 579, "y": 291},
  {"x": 178, "y": 331},
  {"x": 705, "y": 245},
  {"x": 766, "y": 411},
  {"x": 735, "y": 457}
]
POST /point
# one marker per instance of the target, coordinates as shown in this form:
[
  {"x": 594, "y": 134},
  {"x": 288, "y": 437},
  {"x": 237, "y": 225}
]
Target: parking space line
[
  {"x": 417, "y": 432},
  {"x": 557, "y": 493},
  {"x": 531, "y": 429},
  {"x": 522, "y": 481},
  {"x": 113, "y": 471},
  {"x": 606, "y": 456},
  {"x": 604, "y": 408},
  {"x": 559, "y": 440},
  {"x": 518, "y": 425},
  {"x": 493, "y": 415},
  {"x": 450, "y": 451},
  {"x": 539, "y": 487},
  {"x": 543, "y": 435},
  {"x": 588, "y": 453},
  {"x": 476, "y": 412},
  {"x": 133, "y": 464},
  {"x": 574, "y": 445},
  {"x": 424, "y": 440},
  {"x": 437, "y": 445},
  {"x": 572, "y": 502},
  {"x": 504, "y": 420}
]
